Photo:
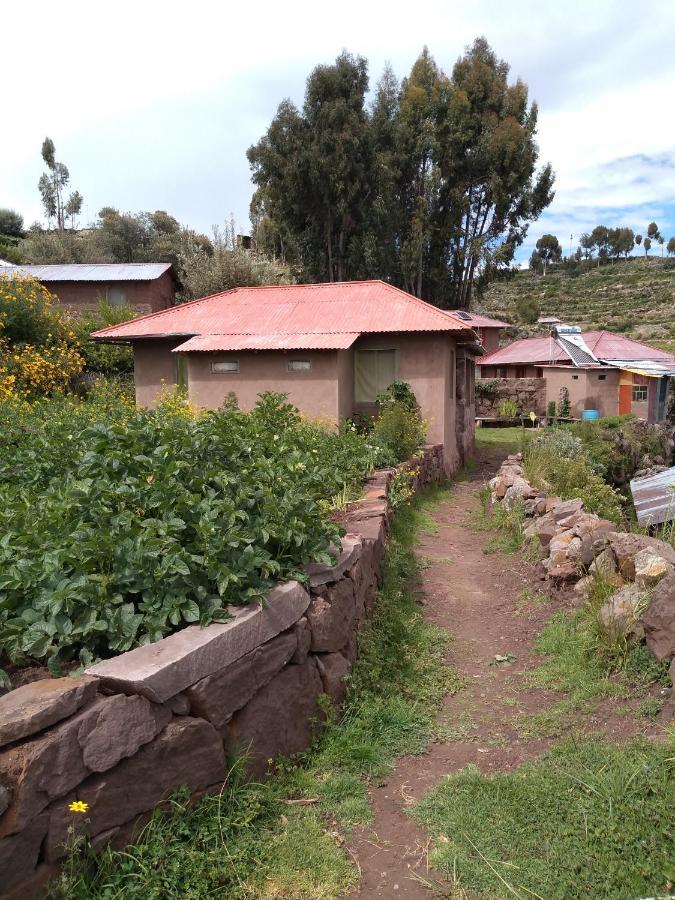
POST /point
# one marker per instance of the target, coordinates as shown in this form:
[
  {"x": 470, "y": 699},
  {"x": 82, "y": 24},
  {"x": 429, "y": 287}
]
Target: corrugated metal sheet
[
  {"x": 356, "y": 307},
  {"x": 477, "y": 321},
  {"x": 229, "y": 342},
  {"x": 648, "y": 367},
  {"x": 91, "y": 272},
  {"x": 577, "y": 349},
  {"x": 603, "y": 344},
  {"x": 654, "y": 497}
]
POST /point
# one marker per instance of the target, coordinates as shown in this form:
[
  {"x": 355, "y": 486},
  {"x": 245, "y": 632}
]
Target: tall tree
[
  {"x": 52, "y": 186},
  {"x": 647, "y": 244},
  {"x": 600, "y": 238},
  {"x": 670, "y": 246},
  {"x": 11, "y": 223},
  {"x": 548, "y": 249}
]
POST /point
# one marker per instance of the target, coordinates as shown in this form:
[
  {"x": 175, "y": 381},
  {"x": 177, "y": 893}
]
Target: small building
[
  {"x": 332, "y": 348},
  {"x": 488, "y": 330},
  {"x": 146, "y": 287},
  {"x": 601, "y": 371}
]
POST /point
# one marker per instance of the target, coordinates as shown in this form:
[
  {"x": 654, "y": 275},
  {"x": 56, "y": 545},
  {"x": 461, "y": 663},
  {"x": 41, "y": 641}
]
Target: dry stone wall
[
  {"x": 575, "y": 544},
  {"x": 135, "y": 728},
  {"x": 529, "y": 394}
]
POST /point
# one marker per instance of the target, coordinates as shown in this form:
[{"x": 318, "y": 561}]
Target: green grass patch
[
  {"x": 251, "y": 842},
  {"x": 585, "y": 820},
  {"x": 510, "y": 439}
]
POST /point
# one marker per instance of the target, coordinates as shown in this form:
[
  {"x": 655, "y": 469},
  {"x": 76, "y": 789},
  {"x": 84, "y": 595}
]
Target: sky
[{"x": 153, "y": 105}]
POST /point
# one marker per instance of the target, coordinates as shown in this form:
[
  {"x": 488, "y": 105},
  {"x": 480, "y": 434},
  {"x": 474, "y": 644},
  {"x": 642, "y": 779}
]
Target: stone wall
[
  {"x": 575, "y": 544},
  {"x": 529, "y": 394},
  {"x": 134, "y": 728}
]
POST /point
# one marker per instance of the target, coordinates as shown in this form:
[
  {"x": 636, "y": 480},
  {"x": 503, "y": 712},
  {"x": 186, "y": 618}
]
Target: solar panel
[{"x": 462, "y": 315}]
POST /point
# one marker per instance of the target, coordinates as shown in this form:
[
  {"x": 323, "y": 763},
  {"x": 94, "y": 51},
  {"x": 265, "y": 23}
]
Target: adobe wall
[
  {"x": 135, "y": 728},
  {"x": 154, "y": 369},
  {"x": 587, "y": 389},
  {"x": 529, "y": 394},
  {"x": 145, "y": 296}
]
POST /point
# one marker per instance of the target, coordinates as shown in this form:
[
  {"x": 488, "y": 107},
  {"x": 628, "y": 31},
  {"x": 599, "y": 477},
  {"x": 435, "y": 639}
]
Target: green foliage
[
  {"x": 508, "y": 409},
  {"x": 345, "y": 193},
  {"x": 585, "y": 820},
  {"x": 487, "y": 387},
  {"x": 399, "y": 432},
  {"x": 108, "y": 359},
  {"x": 548, "y": 249},
  {"x": 120, "y": 525},
  {"x": 618, "y": 445},
  {"x": 249, "y": 841},
  {"x": 564, "y": 403},
  {"x": 528, "y": 309},
  {"x": 558, "y": 463},
  {"x": 11, "y": 223},
  {"x": 399, "y": 392},
  {"x": 551, "y": 409}
]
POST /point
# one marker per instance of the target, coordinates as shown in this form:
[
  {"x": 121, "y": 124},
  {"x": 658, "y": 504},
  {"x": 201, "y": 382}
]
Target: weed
[{"x": 528, "y": 599}]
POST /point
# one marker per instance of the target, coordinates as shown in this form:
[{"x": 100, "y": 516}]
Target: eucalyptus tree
[{"x": 52, "y": 186}]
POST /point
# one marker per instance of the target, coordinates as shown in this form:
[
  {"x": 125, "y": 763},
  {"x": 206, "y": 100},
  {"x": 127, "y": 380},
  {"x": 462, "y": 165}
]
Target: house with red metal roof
[
  {"x": 332, "y": 348},
  {"x": 600, "y": 370}
]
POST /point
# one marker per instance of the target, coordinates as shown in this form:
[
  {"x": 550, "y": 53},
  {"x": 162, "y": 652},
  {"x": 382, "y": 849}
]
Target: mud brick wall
[
  {"x": 529, "y": 394},
  {"x": 135, "y": 728}
]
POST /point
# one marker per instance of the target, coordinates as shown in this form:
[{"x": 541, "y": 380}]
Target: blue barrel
[{"x": 590, "y": 414}]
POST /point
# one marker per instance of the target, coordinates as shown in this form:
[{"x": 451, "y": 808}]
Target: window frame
[
  {"x": 303, "y": 368},
  {"x": 224, "y": 362}
]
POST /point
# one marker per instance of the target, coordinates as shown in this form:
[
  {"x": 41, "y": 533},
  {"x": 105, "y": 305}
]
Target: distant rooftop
[
  {"x": 90, "y": 271},
  {"x": 606, "y": 346}
]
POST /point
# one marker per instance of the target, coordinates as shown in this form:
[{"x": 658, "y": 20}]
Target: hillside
[{"x": 635, "y": 297}]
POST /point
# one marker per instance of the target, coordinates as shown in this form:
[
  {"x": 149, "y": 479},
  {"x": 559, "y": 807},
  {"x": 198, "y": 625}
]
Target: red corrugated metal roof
[
  {"x": 208, "y": 342},
  {"x": 352, "y": 307},
  {"x": 604, "y": 344},
  {"x": 478, "y": 321}
]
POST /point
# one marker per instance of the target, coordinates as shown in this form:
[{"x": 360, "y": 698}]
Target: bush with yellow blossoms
[{"x": 39, "y": 353}]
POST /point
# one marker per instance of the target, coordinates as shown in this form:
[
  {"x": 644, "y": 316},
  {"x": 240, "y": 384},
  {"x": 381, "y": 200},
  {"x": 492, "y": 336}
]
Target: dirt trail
[{"x": 478, "y": 598}]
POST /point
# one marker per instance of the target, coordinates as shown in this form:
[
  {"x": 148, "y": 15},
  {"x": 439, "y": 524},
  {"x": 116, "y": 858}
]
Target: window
[
  {"x": 299, "y": 365},
  {"x": 374, "y": 371},
  {"x": 117, "y": 296},
  {"x": 575, "y": 377},
  {"x": 181, "y": 370},
  {"x": 602, "y": 377},
  {"x": 501, "y": 372},
  {"x": 640, "y": 388},
  {"x": 225, "y": 367},
  {"x": 520, "y": 371}
]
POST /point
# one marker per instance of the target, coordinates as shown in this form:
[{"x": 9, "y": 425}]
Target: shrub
[
  {"x": 399, "y": 392},
  {"x": 564, "y": 404},
  {"x": 508, "y": 409},
  {"x": 487, "y": 387},
  {"x": 108, "y": 359},
  {"x": 398, "y": 432},
  {"x": 550, "y": 409},
  {"x": 121, "y": 525},
  {"x": 38, "y": 351}
]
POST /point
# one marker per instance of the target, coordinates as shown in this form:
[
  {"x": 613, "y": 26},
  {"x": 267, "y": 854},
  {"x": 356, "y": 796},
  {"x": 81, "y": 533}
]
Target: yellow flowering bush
[{"x": 38, "y": 348}]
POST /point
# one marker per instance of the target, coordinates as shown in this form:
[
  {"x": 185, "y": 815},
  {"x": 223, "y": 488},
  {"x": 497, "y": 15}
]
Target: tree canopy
[{"x": 431, "y": 186}]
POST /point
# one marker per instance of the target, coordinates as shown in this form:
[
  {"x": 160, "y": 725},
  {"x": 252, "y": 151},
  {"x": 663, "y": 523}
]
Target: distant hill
[{"x": 635, "y": 297}]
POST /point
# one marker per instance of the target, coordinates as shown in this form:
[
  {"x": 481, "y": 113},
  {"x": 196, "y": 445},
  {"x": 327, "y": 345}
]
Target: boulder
[
  {"x": 563, "y": 509},
  {"x": 519, "y": 491},
  {"x": 619, "y": 615},
  {"x": 625, "y": 547},
  {"x": 217, "y": 697},
  {"x": 19, "y": 854},
  {"x": 650, "y": 568},
  {"x": 658, "y": 620},
  {"x": 39, "y": 704},
  {"x": 545, "y": 529},
  {"x": 334, "y": 670},
  {"x": 332, "y": 617},
  {"x": 120, "y": 726},
  {"x": 604, "y": 564},
  {"x": 188, "y": 752},
  {"x": 278, "y": 720},
  {"x": 167, "y": 667}
]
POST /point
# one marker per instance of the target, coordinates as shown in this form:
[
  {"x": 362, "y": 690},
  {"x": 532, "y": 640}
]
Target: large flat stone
[
  {"x": 121, "y": 726},
  {"x": 188, "y": 752},
  {"x": 217, "y": 697},
  {"x": 349, "y": 552},
  {"x": 19, "y": 854},
  {"x": 279, "y": 719},
  {"x": 39, "y": 704},
  {"x": 332, "y": 617},
  {"x": 163, "y": 669}
]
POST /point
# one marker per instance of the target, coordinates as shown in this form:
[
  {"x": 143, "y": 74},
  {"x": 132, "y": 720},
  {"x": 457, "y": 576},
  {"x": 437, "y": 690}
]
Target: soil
[{"x": 477, "y": 597}]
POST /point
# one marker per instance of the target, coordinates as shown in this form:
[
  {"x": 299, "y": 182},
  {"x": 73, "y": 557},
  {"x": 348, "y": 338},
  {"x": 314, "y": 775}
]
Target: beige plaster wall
[
  {"x": 345, "y": 369},
  {"x": 154, "y": 368},
  {"x": 315, "y": 392},
  {"x": 587, "y": 390}
]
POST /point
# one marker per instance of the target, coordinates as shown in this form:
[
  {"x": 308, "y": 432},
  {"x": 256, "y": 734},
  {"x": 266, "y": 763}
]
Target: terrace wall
[
  {"x": 135, "y": 728},
  {"x": 529, "y": 394}
]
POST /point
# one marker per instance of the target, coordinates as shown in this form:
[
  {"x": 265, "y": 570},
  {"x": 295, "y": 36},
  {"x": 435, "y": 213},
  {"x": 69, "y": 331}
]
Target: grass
[
  {"x": 255, "y": 842},
  {"x": 585, "y": 820},
  {"x": 510, "y": 439}
]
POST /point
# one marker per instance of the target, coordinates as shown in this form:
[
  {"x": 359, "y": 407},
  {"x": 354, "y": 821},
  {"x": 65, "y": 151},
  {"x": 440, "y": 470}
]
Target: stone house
[
  {"x": 147, "y": 287},
  {"x": 601, "y": 371},
  {"x": 332, "y": 348}
]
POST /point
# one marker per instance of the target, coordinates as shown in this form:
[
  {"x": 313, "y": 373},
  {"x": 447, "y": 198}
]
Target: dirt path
[{"x": 479, "y": 598}]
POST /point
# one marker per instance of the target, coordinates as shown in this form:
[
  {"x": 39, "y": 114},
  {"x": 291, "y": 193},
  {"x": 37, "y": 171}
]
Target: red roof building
[{"x": 331, "y": 347}]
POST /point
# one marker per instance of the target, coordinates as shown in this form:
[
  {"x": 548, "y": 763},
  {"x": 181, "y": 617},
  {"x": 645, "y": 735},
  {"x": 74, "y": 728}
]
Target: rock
[
  {"x": 334, "y": 670},
  {"x": 19, "y": 854},
  {"x": 188, "y": 752},
  {"x": 179, "y": 705},
  {"x": 626, "y": 546},
  {"x": 121, "y": 725},
  {"x": 620, "y": 613},
  {"x": 349, "y": 552},
  {"x": 5, "y": 798},
  {"x": 332, "y": 617},
  {"x": 659, "y": 620},
  {"x": 35, "y": 706},
  {"x": 604, "y": 564},
  {"x": 277, "y": 721},
  {"x": 583, "y": 586},
  {"x": 650, "y": 568},
  {"x": 546, "y": 529},
  {"x": 563, "y": 509},
  {"x": 540, "y": 506},
  {"x": 217, "y": 697},
  {"x": 163, "y": 669},
  {"x": 564, "y": 548},
  {"x": 520, "y": 490},
  {"x": 303, "y": 636}
]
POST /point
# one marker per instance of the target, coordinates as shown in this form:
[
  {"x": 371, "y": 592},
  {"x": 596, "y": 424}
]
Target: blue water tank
[{"x": 590, "y": 414}]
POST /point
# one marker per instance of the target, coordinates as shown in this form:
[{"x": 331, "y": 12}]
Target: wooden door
[{"x": 625, "y": 398}]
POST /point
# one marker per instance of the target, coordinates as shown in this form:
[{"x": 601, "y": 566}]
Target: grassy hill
[{"x": 635, "y": 297}]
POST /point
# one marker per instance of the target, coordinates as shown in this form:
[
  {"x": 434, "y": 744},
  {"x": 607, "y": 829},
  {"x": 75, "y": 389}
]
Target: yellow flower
[{"x": 78, "y": 806}]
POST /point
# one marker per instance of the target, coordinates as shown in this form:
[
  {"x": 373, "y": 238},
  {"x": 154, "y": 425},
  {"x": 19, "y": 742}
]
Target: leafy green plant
[
  {"x": 487, "y": 387},
  {"x": 564, "y": 403},
  {"x": 399, "y": 392},
  {"x": 398, "y": 431},
  {"x": 508, "y": 409},
  {"x": 550, "y": 409},
  {"x": 108, "y": 359}
]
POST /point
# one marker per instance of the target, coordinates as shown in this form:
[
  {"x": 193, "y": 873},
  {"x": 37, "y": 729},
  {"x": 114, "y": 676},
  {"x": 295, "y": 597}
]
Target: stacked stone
[
  {"x": 575, "y": 545},
  {"x": 135, "y": 728},
  {"x": 527, "y": 392}
]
